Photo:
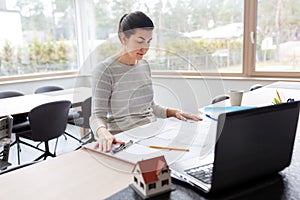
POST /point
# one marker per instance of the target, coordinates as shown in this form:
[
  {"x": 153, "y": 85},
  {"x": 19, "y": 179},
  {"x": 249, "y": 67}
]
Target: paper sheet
[{"x": 168, "y": 133}]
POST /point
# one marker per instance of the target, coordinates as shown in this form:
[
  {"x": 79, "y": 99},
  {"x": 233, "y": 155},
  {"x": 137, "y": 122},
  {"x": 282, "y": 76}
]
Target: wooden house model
[{"x": 151, "y": 177}]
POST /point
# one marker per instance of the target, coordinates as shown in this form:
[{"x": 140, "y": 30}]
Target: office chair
[
  {"x": 7, "y": 94},
  {"x": 83, "y": 121},
  {"x": 219, "y": 98},
  {"x": 46, "y": 122},
  {"x": 255, "y": 86},
  {"x": 49, "y": 88},
  {"x": 71, "y": 116},
  {"x": 6, "y": 124}
]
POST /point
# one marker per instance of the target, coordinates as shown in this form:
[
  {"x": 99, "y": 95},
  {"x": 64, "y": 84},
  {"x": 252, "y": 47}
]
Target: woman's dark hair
[{"x": 129, "y": 22}]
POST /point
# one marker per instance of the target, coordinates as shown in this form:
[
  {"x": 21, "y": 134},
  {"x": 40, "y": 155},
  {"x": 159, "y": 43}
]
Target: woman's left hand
[
  {"x": 185, "y": 116},
  {"x": 182, "y": 115}
]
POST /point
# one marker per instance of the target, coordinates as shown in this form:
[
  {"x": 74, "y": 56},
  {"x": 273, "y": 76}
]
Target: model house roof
[{"x": 151, "y": 168}]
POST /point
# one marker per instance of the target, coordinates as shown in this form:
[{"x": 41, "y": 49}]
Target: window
[
  {"x": 152, "y": 186},
  {"x": 39, "y": 37},
  {"x": 135, "y": 179},
  {"x": 141, "y": 185},
  {"x": 278, "y": 36},
  {"x": 165, "y": 171},
  {"x": 194, "y": 37},
  {"x": 232, "y": 37},
  {"x": 165, "y": 182}
]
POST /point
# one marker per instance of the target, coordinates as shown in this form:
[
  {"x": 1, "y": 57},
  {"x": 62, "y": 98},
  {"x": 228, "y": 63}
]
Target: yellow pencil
[
  {"x": 169, "y": 148},
  {"x": 278, "y": 96}
]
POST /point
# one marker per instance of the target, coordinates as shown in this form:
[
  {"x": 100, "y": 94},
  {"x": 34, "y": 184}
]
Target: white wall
[
  {"x": 188, "y": 93},
  {"x": 185, "y": 93}
]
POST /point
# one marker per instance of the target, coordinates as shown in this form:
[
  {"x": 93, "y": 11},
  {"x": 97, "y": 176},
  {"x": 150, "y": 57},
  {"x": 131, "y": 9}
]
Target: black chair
[
  {"x": 49, "y": 88},
  {"x": 71, "y": 116},
  {"x": 83, "y": 120},
  {"x": 7, "y": 94},
  {"x": 219, "y": 98},
  {"x": 255, "y": 86},
  {"x": 46, "y": 122},
  {"x": 6, "y": 124}
]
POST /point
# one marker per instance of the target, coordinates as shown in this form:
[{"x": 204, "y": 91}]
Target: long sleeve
[
  {"x": 101, "y": 92},
  {"x": 159, "y": 111}
]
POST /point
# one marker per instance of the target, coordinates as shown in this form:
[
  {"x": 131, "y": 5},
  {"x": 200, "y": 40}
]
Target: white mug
[{"x": 236, "y": 97}]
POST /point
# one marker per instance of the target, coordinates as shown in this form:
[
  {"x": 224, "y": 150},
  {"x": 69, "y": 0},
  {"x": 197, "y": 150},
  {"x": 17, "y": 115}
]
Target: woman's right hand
[{"x": 105, "y": 140}]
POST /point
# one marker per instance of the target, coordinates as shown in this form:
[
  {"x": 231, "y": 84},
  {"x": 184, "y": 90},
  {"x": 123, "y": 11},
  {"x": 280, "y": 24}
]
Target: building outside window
[{"x": 37, "y": 37}]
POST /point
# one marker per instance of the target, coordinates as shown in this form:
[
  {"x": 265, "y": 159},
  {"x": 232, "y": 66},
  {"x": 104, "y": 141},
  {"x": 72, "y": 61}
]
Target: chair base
[{"x": 44, "y": 155}]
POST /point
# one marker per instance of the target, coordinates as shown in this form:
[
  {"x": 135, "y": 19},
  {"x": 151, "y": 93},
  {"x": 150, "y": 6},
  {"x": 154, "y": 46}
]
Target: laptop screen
[{"x": 253, "y": 143}]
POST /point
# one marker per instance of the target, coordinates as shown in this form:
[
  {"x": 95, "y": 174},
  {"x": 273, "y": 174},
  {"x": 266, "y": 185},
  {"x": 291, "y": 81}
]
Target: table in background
[{"x": 23, "y": 104}]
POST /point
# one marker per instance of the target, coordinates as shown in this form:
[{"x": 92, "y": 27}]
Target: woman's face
[{"x": 138, "y": 43}]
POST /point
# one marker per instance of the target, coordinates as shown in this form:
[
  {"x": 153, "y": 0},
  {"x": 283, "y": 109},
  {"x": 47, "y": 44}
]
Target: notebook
[{"x": 250, "y": 144}]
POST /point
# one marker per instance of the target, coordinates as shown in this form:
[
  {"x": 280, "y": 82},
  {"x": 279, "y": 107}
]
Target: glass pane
[
  {"x": 278, "y": 36},
  {"x": 37, "y": 37},
  {"x": 190, "y": 35}
]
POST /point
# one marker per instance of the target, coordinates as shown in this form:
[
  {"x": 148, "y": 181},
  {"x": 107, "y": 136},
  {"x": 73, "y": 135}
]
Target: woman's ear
[{"x": 123, "y": 38}]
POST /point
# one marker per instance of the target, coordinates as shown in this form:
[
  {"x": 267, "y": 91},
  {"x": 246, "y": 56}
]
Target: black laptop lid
[{"x": 254, "y": 143}]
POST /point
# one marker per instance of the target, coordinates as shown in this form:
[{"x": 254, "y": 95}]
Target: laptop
[{"x": 250, "y": 144}]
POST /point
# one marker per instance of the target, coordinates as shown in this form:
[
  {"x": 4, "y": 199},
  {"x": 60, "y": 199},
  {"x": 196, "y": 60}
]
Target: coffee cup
[{"x": 236, "y": 97}]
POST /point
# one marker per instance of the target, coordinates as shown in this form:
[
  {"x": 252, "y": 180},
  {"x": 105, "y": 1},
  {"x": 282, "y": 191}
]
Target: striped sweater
[{"x": 122, "y": 96}]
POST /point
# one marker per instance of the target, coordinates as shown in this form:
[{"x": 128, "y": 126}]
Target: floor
[{"x": 64, "y": 145}]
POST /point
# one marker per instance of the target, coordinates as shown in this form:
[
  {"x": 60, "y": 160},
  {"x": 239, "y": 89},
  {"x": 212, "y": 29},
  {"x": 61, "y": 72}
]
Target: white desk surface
[
  {"x": 23, "y": 104},
  {"x": 285, "y": 85},
  {"x": 84, "y": 174}
]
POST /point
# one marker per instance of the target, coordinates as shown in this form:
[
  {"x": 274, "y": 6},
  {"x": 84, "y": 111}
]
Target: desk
[
  {"x": 23, "y": 104},
  {"x": 77, "y": 175},
  {"x": 84, "y": 174}
]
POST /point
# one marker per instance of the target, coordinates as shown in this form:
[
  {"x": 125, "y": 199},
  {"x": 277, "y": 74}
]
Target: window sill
[
  {"x": 179, "y": 76},
  {"x": 37, "y": 77}
]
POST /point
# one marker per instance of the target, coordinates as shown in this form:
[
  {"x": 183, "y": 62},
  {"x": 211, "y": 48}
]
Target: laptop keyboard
[{"x": 202, "y": 173}]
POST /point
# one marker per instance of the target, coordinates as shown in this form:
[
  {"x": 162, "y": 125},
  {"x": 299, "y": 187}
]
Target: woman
[{"x": 122, "y": 96}]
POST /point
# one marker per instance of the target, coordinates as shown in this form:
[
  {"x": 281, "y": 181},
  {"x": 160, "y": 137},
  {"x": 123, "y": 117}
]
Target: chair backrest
[
  {"x": 7, "y": 94},
  {"x": 49, "y": 121},
  {"x": 254, "y": 87},
  {"x": 219, "y": 98},
  {"x": 48, "y": 88},
  {"x": 86, "y": 107}
]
